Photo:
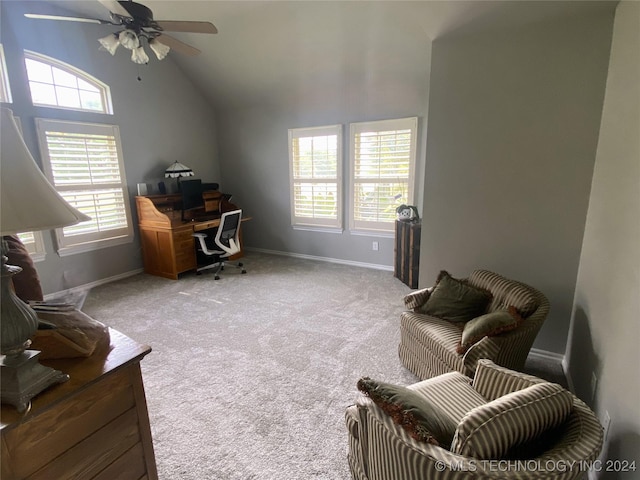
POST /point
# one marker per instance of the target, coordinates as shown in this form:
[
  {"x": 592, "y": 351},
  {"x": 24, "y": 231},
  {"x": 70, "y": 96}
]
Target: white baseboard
[
  {"x": 89, "y": 286},
  {"x": 374, "y": 266},
  {"x": 558, "y": 358}
]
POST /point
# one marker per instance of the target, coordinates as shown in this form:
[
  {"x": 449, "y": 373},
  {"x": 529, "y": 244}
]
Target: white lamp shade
[
  {"x": 28, "y": 202},
  {"x": 177, "y": 169},
  {"x": 160, "y": 49}
]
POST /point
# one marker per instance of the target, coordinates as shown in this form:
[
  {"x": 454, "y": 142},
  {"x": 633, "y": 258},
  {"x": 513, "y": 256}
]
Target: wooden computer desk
[{"x": 168, "y": 246}]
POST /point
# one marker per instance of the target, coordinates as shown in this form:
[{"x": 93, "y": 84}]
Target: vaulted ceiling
[{"x": 262, "y": 45}]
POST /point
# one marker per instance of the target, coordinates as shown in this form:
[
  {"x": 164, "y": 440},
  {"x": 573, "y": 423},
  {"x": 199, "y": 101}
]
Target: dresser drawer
[{"x": 104, "y": 414}]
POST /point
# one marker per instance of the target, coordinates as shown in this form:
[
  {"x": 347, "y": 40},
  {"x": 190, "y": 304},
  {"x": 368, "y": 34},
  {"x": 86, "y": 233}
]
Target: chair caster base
[
  {"x": 217, "y": 277},
  {"x": 243, "y": 271}
]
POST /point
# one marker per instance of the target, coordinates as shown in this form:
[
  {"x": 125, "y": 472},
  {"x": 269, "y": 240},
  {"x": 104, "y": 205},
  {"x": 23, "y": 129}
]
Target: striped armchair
[
  {"x": 428, "y": 344},
  {"x": 381, "y": 450}
]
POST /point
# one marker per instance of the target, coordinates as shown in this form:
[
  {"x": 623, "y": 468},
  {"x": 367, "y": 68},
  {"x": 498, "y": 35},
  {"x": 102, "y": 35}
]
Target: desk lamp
[
  {"x": 178, "y": 170},
  {"x": 28, "y": 203}
]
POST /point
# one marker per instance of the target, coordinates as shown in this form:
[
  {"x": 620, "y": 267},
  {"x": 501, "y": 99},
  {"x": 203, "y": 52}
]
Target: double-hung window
[
  {"x": 382, "y": 160},
  {"x": 315, "y": 167},
  {"x": 84, "y": 163}
]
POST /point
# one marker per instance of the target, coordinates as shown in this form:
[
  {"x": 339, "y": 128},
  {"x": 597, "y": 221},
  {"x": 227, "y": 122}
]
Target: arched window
[{"x": 56, "y": 84}]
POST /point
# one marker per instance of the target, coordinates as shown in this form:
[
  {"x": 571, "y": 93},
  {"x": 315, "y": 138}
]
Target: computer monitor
[{"x": 191, "y": 191}]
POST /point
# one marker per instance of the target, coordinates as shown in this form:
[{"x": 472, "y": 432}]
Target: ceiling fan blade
[
  {"x": 115, "y": 7},
  {"x": 177, "y": 45},
  {"x": 186, "y": 26},
  {"x": 68, "y": 19}
]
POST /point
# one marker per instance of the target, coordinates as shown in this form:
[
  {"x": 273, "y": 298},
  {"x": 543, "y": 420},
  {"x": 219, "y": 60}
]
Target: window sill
[
  {"x": 95, "y": 245},
  {"x": 311, "y": 228},
  {"x": 372, "y": 233},
  {"x": 38, "y": 257}
]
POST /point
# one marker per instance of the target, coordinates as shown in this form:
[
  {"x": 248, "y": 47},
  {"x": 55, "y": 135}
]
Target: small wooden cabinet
[
  {"x": 407, "y": 252},
  {"x": 93, "y": 427}
]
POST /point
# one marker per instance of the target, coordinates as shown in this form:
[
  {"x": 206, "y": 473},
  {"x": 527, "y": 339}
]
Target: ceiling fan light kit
[
  {"x": 110, "y": 43},
  {"x": 138, "y": 23},
  {"x": 160, "y": 49}
]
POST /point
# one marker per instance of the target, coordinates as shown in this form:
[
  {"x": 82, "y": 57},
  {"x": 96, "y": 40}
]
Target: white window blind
[
  {"x": 315, "y": 165},
  {"x": 84, "y": 163},
  {"x": 56, "y": 84},
  {"x": 382, "y": 158},
  {"x": 5, "y": 90}
]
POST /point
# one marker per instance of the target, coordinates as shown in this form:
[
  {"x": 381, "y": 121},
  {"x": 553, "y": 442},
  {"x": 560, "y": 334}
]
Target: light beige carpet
[{"x": 250, "y": 375}]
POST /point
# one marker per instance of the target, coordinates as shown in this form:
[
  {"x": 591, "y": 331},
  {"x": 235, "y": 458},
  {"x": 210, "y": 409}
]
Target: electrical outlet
[{"x": 374, "y": 246}]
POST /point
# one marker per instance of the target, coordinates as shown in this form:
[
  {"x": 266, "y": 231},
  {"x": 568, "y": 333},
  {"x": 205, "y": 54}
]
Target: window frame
[
  {"x": 381, "y": 228},
  {"x": 69, "y": 245},
  {"x": 309, "y": 223},
  {"x": 34, "y": 245},
  {"x": 103, "y": 88}
]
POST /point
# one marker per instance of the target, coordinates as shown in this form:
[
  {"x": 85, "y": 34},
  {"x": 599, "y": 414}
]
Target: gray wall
[
  {"x": 514, "y": 114},
  {"x": 162, "y": 119},
  {"x": 370, "y": 78},
  {"x": 605, "y": 328}
]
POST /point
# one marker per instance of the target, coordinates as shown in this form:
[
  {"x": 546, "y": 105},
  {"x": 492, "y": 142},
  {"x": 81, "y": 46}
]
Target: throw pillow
[
  {"x": 489, "y": 324},
  {"x": 490, "y": 431},
  {"x": 422, "y": 419},
  {"x": 455, "y": 300},
  {"x": 26, "y": 284}
]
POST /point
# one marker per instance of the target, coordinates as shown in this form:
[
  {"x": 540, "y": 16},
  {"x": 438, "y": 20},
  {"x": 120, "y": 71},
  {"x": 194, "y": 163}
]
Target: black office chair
[{"x": 225, "y": 243}]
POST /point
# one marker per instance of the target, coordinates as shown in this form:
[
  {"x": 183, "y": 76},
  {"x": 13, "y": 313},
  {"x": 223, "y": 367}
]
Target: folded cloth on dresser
[{"x": 66, "y": 332}]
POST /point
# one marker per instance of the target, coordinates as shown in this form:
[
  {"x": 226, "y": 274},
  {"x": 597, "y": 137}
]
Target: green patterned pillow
[
  {"x": 489, "y": 324},
  {"x": 421, "y": 418},
  {"x": 456, "y": 300}
]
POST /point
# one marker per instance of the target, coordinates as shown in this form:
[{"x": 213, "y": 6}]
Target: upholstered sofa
[
  {"x": 430, "y": 346},
  {"x": 509, "y": 425}
]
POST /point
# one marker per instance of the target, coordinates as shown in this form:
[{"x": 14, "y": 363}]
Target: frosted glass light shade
[
  {"x": 110, "y": 43},
  {"x": 160, "y": 49},
  {"x": 129, "y": 39},
  {"x": 139, "y": 56},
  {"x": 28, "y": 202}
]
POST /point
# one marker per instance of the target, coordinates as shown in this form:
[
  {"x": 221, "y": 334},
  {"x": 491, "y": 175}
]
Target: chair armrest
[
  {"x": 417, "y": 298},
  {"x": 388, "y": 448},
  {"x": 493, "y": 381},
  {"x": 487, "y": 348}
]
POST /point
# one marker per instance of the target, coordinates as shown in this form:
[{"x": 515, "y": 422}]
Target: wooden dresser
[{"x": 93, "y": 427}]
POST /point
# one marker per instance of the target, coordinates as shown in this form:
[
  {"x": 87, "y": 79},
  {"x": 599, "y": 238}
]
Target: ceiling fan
[{"x": 137, "y": 24}]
